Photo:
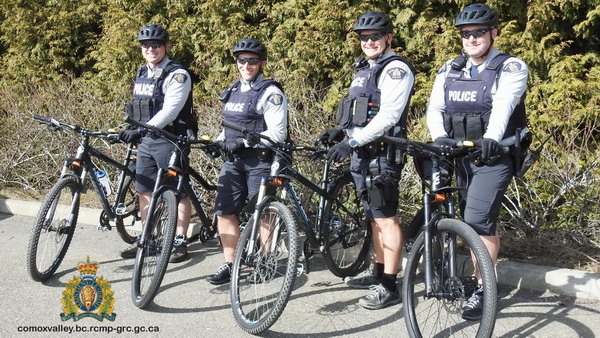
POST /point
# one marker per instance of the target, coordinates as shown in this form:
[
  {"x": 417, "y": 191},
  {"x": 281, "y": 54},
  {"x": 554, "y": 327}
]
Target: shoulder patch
[
  {"x": 396, "y": 73},
  {"x": 276, "y": 99},
  {"x": 180, "y": 77},
  {"x": 512, "y": 67}
]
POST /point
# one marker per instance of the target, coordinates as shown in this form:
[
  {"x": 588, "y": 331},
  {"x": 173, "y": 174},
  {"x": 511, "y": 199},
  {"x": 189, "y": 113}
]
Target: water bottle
[{"x": 104, "y": 181}]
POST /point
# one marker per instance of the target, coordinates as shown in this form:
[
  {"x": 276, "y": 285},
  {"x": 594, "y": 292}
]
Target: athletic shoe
[
  {"x": 362, "y": 281},
  {"x": 222, "y": 276},
  {"x": 379, "y": 298},
  {"x": 180, "y": 251},
  {"x": 474, "y": 308}
]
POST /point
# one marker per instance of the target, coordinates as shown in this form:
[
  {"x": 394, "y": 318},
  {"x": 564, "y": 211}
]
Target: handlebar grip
[
  {"x": 394, "y": 140},
  {"x": 234, "y": 126},
  {"x": 40, "y": 118}
]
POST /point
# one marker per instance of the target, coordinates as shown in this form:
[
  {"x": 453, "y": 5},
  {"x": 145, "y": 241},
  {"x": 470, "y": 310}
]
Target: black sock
[
  {"x": 378, "y": 270},
  {"x": 389, "y": 282}
]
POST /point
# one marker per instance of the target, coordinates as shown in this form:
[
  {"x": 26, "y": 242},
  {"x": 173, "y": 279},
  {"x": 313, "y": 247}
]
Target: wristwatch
[{"x": 352, "y": 143}]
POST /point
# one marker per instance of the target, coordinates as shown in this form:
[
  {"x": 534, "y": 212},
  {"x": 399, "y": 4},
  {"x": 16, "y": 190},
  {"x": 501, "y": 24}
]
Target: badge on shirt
[
  {"x": 180, "y": 77},
  {"x": 396, "y": 73},
  {"x": 276, "y": 99},
  {"x": 512, "y": 67}
]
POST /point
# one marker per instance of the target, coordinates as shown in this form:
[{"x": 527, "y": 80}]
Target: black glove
[
  {"x": 253, "y": 139},
  {"x": 445, "y": 144},
  {"x": 130, "y": 135},
  {"x": 339, "y": 152},
  {"x": 331, "y": 136},
  {"x": 489, "y": 148},
  {"x": 231, "y": 146}
]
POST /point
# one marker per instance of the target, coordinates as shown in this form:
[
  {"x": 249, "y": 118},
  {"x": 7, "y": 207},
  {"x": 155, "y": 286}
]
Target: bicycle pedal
[
  {"x": 102, "y": 228},
  {"x": 301, "y": 268}
]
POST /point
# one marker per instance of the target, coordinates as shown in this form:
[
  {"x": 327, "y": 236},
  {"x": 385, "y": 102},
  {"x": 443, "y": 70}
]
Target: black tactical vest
[
  {"x": 359, "y": 107},
  {"x": 240, "y": 107},
  {"x": 469, "y": 103},
  {"x": 148, "y": 99}
]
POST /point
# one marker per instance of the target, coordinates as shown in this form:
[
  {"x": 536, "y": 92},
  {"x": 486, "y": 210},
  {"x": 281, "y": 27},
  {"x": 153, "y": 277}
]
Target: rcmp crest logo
[{"x": 88, "y": 295}]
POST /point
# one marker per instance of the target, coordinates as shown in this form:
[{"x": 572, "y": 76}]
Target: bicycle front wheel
[
  {"x": 347, "y": 232},
  {"x": 153, "y": 254},
  {"x": 439, "y": 313},
  {"x": 127, "y": 210},
  {"x": 53, "y": 229},
  {"x": 264, "y": 269}
]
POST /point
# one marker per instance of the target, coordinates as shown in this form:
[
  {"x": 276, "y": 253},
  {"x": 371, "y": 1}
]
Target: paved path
[{"x": 187, "y": 305}]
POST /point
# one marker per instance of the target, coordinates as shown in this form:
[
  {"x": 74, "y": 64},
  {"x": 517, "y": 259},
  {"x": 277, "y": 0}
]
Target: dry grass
[{"x": 559, "y": 248}]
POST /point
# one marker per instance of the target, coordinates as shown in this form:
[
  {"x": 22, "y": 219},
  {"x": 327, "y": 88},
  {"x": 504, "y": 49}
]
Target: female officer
[
  {"x": 259, "y": 105},
  {"x": 479, "y": 96},
  {"x": 377, "y": 104}
]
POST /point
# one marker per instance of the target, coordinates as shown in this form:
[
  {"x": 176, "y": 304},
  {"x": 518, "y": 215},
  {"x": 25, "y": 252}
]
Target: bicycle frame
[{"x": 283, "y": 174}]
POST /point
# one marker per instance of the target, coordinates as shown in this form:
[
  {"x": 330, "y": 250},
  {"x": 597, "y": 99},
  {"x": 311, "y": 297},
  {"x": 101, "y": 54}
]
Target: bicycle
[
  {"x": 55, "y": 223},
  {"x": 266, "y": 264},
  {"x": 158, "y": 230},
  {"x": 438, "y": 278}
]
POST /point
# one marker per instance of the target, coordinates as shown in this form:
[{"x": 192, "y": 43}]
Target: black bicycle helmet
[
  {"x": 153, "y": 32},
  {"x": 250, "y": 46},
  {"x": 476, "y": 14},
  {"x": 374, "y": 21}
]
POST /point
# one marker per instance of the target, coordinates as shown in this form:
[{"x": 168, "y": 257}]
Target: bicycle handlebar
[
  {"x": 449, "y": 146},
  {"x": 274, "y": 144},
  {"x": 189, "y": 138},
  {"x": 56, "y": 125}
]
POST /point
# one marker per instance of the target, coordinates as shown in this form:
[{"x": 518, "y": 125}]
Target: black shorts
[
  {"x": 481, "y": 201},
  {"x": 152, "y": 154},
  {"x": 239, "y": 180},
  {"x": 359, "y": 168}
]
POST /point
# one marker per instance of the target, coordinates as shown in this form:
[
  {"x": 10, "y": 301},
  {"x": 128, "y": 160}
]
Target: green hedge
[{"x": 76, "y": 60}]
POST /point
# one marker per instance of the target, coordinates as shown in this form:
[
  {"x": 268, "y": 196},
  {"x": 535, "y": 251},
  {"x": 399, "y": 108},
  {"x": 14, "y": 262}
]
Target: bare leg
[
  {"x": 388, "y": 241},
  {"x": 184, "y": 213},
  {"x": 229, "y": 232}
]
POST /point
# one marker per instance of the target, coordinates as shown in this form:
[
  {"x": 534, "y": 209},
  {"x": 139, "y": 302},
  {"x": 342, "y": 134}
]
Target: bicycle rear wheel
[
  {"x": 264, "y": 269},
  {"x": 127, "y": 211},
  {"x": 53, "y": 229},
  {"x": 439, "y": 314},
  {"x": 347, "y": 232},
  {"x": 153, "y": 255}
]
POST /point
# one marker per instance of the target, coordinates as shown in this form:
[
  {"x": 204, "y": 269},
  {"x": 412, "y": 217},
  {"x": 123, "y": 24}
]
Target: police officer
[
  {"x": 162, "y": 97},
  {"x": 259, "y": 105},
  {"x": 376, "y": 105},
  {"x": 479, "y": 96}
]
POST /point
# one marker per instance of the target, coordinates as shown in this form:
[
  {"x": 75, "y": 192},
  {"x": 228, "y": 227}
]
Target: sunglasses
[
  {"x": 252, "y": 61},
  {"x": 476, "y": 33},
  {"x": 373, "y": 37},
  {"x": 154, "y": 45}
]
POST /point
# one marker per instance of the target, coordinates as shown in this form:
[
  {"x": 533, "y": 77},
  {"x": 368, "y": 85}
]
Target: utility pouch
[
  {"x": 475, "y": 126},
  {"x": 374, "y": 184},
  {"x": 344, "y": 112},
  {"x": 459, "y": 124},
  {"x": 360, "y": 111}
]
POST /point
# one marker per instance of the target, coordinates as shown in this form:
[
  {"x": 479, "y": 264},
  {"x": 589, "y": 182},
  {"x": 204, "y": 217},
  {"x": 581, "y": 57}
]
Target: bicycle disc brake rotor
[{"x": 453, "y": 301}]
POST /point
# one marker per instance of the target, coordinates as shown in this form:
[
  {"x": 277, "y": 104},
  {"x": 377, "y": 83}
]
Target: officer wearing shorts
[
  {"x": 377, "y": 104},
  {"x": 479, "y": 96},
  {"x": 259, "y": 105},
  {"x": 162, "y": 97}
]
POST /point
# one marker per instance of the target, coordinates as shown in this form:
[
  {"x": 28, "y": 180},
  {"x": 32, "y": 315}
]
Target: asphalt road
[{"x": 187, "y": 305}]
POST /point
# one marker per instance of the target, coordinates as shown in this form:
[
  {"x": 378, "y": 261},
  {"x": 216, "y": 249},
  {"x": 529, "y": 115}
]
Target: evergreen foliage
[{"x": 76, "y": 59}]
